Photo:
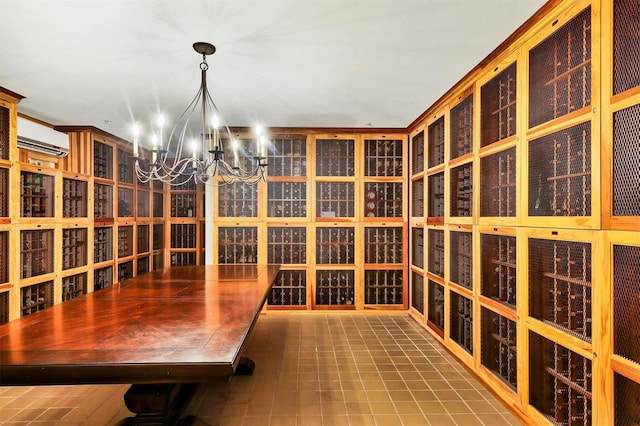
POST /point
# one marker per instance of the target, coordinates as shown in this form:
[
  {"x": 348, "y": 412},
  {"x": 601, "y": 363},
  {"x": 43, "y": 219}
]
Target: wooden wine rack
[
  {"x": 499, "y": 347},
  {"x": 74, "y": 286},
  {"x": 74, "y": 198},
  {"x": 461, "y": 321},
  {"x": 498, "y": 109},
  {"x": 461, "y": 139},
  {"x": 559, "y": 382},
  {"x": 102, "y": 278},
  {"x": 4, "y": 257},
  {"x": 37, "y": 195},
  {"x": 499, "y": 268},
  {"x": 74, "y": 248},
  {"x": 287, "y": 245},
  {"x": 142, "y": 201},
  {"x": 238, "y": 200},
  {"x": 103, "y": 244},
  {"x": 103, "y": 201},
  {"x": 143, "y": 239},
  {"x": 125, "y": 241},
  {"x": 35, "y": 298},
  {"x": 289, "y": 289},
  {"x": 36, "y": 252},
  {"x": 287, "y": 199},
  {"x": 417, "y": 292},
  {"x": 125, "y": 202},
  {"x": 335, "y": 287}
]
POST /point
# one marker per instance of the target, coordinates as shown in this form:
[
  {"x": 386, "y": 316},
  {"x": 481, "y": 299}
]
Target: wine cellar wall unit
[{"x": 538, "y": 293}]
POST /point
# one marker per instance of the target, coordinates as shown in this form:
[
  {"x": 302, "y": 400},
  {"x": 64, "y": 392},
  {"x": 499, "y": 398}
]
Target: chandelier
[{"x": 195, "y": 148}]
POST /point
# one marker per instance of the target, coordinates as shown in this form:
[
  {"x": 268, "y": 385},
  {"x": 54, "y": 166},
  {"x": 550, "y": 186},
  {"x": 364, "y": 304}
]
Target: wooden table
[{"x": 178, "y": 325}]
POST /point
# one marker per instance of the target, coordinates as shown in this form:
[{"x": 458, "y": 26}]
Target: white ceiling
[{"x": 285, "y": 63}]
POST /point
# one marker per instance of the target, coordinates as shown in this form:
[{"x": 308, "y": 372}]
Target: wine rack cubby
[
  {"x": 125, "y": 241},
  {"x": 125, "y": 202},
  {"x": 158, "y": 236},
  {"x": 287, "y": 199},
  {"x": 36, "y": 195},
  {"x": 435, "y": 303},
  {"x": 436, "y": 252},
  {"x": 462, "y": 191},
  {"x": 238, "y": 244},
  {"x": 383, "y": 287},
  {"x": 461, "y": 321},
  {"x": 102, "y": 278},
  {"x": 183, "y": 235},
  {"x": 4, "y": 307},
  {"x": 559, "y": 382},
  {"x": 74, "y": 248},
  {"x": 417, "y": 153},
  {"x": 35, "y": 298},
  {"x": 158, "y": 204},
  {"x": 74, "y": 286},
  {"x": 335, "y": 157},
  {"x": 461, "y": 259},
  {"x": 287, "y": 245},
  {"x": 435, "y": 143},
  {"x": 417, "y": 292},
  {"x": 158, "y": 261},
  {"x": 288, "y": 156},
  {"x": 143, "y": 239},
  {"x": 627, "y": 404},
  {"x": 142, "y": 203},
  {"x": 4, "y": 192},
  {"x": 74, "y": 198},
  {"x": 238, "y": 199},
  {"x": 436, "y": 195},
  {"x": 383, "y": 245},
  {"x": 335, "y": 287},
  {"x": 383, "y": 199},
  {"x": 560, "y": 173},
  {"x": 498, "y": 107},
  {"x": 289, "y": 289},
  {"x": 335, "y": 199},
  {"x": 125, "y": 167},
  {"x": 498, "y": 278},
  {"x": 417, "y": 247},
  {"x": 560, "y": 71},
  {"x": 102, "y": 160},
  {"x": 36, "y": 252},
  {"x": 183, "y": 204},
  {"x": 417, "y": 198},
  {"x": 461, "y": 126},
  {"x": 560, "y": 285},
  {"x": 626, "y": 46},
  {"x": 5, "y": 114},
  {"x": 626, "y": 162},
  {"x": 498, "y": 186},
  {"x": 383, "y": 157},
  {"x": 626, "y": 301},
  {"x": 4, "y": 257},
  {"x": 102, "y": 201},
  {"x": 499, "y": 347},
  {"x": 125, "y": 270},
  {"x": 335, "y": 245},
  {"x": 182, "y": 258},
  {"x": 142, "y": 265},
  {"x": 102, "y": 244}
]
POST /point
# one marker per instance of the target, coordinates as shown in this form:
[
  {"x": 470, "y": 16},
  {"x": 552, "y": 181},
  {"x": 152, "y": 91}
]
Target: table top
[{"x": 177, "y": 325}]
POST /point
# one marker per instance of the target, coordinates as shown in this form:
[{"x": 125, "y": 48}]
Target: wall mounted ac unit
[{"x": 36, "y": 137}]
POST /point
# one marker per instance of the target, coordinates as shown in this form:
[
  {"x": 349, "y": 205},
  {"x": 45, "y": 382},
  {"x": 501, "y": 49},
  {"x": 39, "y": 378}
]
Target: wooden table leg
[{"x": 158, "y": 404}]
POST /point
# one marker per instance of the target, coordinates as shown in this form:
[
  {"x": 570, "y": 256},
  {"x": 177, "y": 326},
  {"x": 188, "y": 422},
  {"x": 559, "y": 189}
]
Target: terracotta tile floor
[{"x": 320, "y": 369}]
